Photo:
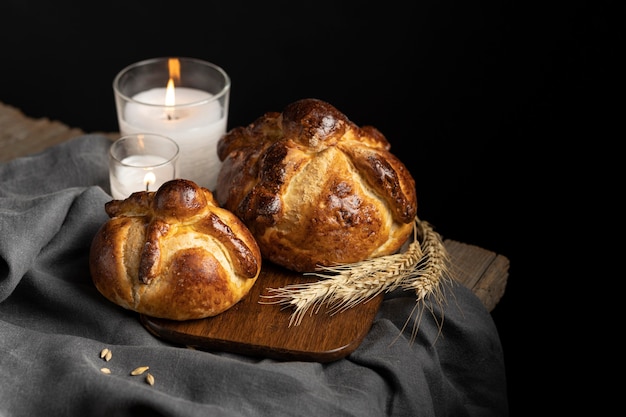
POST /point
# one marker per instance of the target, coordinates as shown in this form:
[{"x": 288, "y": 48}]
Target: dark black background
[{"x": 483, "y": 101}]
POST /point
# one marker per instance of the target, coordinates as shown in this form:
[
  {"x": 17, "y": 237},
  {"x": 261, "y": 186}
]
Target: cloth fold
[{"x": 54, "y": 323}]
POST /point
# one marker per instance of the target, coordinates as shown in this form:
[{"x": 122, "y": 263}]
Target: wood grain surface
[
  {"x": 258, "y": 329},
  {"x": 262, "y": 330},
  {"x": 21, "y": 135}
]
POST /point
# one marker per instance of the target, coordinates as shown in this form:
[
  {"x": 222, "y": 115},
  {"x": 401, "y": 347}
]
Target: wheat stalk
[
  {"x": 421, "y": 268},
  {"x": 429, "y": 277}
]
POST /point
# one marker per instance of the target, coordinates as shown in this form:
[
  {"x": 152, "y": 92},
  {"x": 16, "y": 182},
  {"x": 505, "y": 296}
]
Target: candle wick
[
  {"x": 170, "y": 114},
  {"x": 147, "y": 186}
]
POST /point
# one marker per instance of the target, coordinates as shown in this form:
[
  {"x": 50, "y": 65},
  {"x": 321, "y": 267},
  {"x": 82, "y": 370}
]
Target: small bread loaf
[
  {"x": 314, "y": 188},
  {"x": 173, "y": 254}
]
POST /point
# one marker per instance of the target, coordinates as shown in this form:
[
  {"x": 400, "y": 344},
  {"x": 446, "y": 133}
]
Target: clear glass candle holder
[
  {"x": 185, "y": 99},
  {"x": 141, "y": 162}
]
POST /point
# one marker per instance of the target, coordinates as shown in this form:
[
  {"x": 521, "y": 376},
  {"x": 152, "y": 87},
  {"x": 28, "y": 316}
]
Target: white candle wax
[
  {"x": 139, "y": 173},
  {"x": 196, "y": 128}
]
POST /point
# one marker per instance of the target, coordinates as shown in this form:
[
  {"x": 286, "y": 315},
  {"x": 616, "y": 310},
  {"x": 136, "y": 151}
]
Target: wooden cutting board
[{"x": 263, "y": 330}]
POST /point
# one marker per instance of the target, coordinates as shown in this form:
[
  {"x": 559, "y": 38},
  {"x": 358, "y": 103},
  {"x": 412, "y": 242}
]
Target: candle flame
[
  {"x": 173, "y": 64},
  {"x": 170, "y": 94},
  {"x": 149, "y": 179}
]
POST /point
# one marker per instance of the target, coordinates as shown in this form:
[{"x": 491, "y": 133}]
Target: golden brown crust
[
  {"x": 173, "y": 254},
  {"x": 314, "y": 188}
]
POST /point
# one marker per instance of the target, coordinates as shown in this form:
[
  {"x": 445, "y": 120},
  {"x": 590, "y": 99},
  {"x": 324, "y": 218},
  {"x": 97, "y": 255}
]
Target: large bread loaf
[{"x": 314, "y": 188}]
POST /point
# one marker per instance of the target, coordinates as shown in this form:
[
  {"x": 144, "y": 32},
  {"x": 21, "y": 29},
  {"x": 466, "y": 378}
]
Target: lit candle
[
  {"x": 140, "y": 173},
  {"x": 141, "y": 162},
  {"x": 194, "y": 118}
]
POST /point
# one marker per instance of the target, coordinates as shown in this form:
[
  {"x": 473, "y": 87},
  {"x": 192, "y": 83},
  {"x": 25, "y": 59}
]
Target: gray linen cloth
[{"x": 54, "y": 323}]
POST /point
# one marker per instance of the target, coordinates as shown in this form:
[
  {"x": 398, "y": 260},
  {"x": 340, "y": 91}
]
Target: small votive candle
[{"x": 141, "y": 162}]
